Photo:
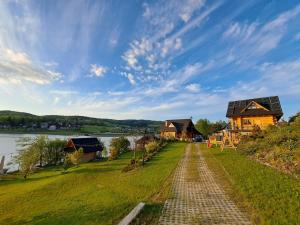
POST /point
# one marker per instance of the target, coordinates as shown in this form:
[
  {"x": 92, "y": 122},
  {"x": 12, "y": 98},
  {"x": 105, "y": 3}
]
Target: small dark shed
[
  {"x": 140, "y": 143},
  {"x": 90, "y": 147}
]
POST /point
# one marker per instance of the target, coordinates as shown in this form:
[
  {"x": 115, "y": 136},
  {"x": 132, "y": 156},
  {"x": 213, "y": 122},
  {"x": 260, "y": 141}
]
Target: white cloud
[
  {"x": 17, "y": 67},
  {"x": 17, "y": 57},
  {"x": 193, "y": 88},
  {"x": 63, "y": 92},
  {"x": 116, "y": 93},
  {"x": 155, "y": 49},
  {"x": 256, "y": 39},
  {"x": 97, "y": 70},
  {"x": 189, "y": 7},
  {"x": 131, "y": 79}
]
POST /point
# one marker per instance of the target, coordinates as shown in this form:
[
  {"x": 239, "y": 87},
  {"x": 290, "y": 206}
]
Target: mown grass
[
  {"x": 271, "y": 197},
  {"x": 94, "y": 193}
]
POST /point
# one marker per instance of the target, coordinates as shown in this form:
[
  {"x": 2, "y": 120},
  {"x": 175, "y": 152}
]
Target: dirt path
[{"x": 196, "y": 197}]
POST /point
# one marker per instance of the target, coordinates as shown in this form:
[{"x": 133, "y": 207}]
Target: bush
[
  {"x": 121, "y": 144},
  {"x": 152, "y": 147},
  {"x": 67, "y": 163},
  {"x": 276, "y": 146},
  {"x": 114, "y": 153},
  {"x": 76, "y": 156}
]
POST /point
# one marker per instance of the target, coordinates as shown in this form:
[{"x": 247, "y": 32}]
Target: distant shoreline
[{"x": 63, "y": 132}]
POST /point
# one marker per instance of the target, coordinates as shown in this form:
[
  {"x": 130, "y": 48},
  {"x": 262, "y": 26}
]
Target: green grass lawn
[
  {"x": 94, "y": 193},
  {"x": 270, "y": 196}
]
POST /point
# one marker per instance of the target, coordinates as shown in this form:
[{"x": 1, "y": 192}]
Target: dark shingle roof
[
  {"x": 180, "y": 125},
  {"x": 146, "y": 139},
  {"x": 272, "y": 104},
  {"x": 87, "y": 144}
]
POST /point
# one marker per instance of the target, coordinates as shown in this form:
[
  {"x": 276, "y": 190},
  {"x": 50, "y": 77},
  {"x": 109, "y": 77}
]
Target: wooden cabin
[
  {"x": 90, "y": 147},
  {"x": 181, "y": 129},
  {"x": 246, "y": 116}
]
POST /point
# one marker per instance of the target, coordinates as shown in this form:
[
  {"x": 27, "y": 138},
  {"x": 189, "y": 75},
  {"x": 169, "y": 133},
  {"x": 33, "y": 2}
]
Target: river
[{"x": 8, "y": 143}]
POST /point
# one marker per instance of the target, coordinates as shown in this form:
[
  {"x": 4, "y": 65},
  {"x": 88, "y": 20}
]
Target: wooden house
[
  {"x": 246, "y": 116},
  {"x": 182, "y": 129},
  {"x": 90, "y": 147}
]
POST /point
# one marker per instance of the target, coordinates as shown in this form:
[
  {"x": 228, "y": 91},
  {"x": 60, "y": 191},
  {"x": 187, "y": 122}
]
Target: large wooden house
[
  {"x": 182, "y": 129},
  {"x": 90, "y": 146},
  {"x": 246, "y": 116}
]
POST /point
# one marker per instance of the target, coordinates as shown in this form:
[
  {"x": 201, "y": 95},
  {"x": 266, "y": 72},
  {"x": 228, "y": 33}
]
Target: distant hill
[{"x": 20, "y": 122}]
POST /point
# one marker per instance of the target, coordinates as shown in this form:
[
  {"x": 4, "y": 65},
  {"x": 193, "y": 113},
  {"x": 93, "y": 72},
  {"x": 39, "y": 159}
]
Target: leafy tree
[
  {"x": 29, "y": 154},
  {"x": 217, "y": 126},
  {"x": 54, "y": 153},
  {"x": 204, "y": 127},
  {"x": 152, "y": 147},
  {"x": 293, "y": 118},
  {"x": 122, "y": 144}
]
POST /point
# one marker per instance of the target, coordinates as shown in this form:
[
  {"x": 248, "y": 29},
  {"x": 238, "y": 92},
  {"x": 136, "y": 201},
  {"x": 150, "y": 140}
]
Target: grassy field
[
  {"x": 94, "y": 193},
  {"x": 270, "y": 196}
]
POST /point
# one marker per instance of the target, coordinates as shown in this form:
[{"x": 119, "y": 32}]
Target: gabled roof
[
  {"x": 87, "y": 144},
  {"x": 270, "y": 106},
  {"x": 180, "y": 125}
]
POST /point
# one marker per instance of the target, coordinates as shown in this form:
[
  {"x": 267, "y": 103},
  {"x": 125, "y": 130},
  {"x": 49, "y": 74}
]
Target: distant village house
[
  {"x": 181, "y": 129},
  {"x": 90, "y": 147}
]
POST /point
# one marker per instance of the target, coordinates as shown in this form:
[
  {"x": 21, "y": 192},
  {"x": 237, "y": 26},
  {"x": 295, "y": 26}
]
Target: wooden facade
[
  {"x": 181, "y": 129},
  {"x": 246, "y": 116}
]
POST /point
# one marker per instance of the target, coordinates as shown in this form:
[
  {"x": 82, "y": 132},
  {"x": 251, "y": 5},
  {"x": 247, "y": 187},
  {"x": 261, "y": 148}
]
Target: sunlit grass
[
  {"x": 94, "y": 193},
  {"x": 271, "y": 197}
]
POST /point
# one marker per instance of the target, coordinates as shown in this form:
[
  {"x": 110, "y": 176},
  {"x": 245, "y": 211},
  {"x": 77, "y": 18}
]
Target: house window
[{"x": 246, "y": 122}]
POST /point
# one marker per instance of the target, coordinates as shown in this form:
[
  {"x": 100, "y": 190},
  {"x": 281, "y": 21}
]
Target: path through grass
[{"x": 94, "y": 193}]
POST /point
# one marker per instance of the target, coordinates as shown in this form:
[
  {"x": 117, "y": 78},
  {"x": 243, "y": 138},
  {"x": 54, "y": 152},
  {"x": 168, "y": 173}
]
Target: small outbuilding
[
  {"x": 146, "y": 139},
  {"x": 89, "y": 145}
]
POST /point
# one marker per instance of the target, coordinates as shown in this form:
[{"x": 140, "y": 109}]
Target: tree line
[{"x": 206, "y": 127}]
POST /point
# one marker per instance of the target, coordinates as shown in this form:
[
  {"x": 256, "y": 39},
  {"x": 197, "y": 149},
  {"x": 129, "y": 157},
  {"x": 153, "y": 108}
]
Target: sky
[{"x": 147, "y": 59}]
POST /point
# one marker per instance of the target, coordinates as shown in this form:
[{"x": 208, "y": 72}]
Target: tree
[
  {"x": 218, "y": 126},
  {"x": 204, "y": 127},
  {"x": 54, "y": 152},
  {"x": 29, "y": 155},
  {"x": 293, "y": 118},
  {"x": 122, "y": 144}
]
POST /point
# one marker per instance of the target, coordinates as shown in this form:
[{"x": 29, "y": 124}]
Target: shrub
[
  {"x": 152, "y": 147},
  {"x": 121, "y": 144},
  {"x": 67, "y": 162},
  {"x": 114, "y": 153},
  {"x": 277, "y": 146},
  {"x": 76, "y": 156}
]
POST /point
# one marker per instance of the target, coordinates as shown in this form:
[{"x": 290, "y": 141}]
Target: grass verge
[
  {"x": 94, "y": 193},
  {"x": 269, "y": 196}
]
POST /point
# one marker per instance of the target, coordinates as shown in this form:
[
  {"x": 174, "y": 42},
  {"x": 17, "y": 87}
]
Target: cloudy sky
[{"x": 147, "y": 59}]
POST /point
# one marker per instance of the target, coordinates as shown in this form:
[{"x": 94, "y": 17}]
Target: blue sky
[{"x": 147, "y": 59}]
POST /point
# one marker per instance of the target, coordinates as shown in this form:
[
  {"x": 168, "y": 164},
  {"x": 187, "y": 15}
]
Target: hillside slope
[{"x": 26, "y": 122}]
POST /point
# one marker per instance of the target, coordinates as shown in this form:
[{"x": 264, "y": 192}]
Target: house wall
[
  {"x": 168, "y": 134},
  {"x": 261, "y": 121},
  {"x": 88, "y": 156}
]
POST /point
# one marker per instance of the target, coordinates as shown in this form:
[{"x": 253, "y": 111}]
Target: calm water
[{"x": 8, "y": 143}]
